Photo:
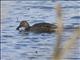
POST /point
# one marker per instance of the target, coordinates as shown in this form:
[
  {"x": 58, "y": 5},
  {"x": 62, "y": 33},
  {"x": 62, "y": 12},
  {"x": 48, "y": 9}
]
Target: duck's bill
[{"x": 20, "y": 28}]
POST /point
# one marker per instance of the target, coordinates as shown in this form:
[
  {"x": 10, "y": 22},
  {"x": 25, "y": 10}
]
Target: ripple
[
  {"x": 32, "y": 58},
  {"x": 33, "y": 40},
  {"x": 75, "y": 17},
  {"x": 47, "y": 44},
  {"x": 44, "y": 48},
  {"x": 4, "y": 42},
  {"x": 19, "y": 46},
  {"x": 37, "y": 46},
  {"x": 7, "y": 36},
  {"x": 34, "y": 47},
  {"x": 17, "y": 8},
  {"x": 23, "y": 54},
  {"x": 41, "y": 7},
  {"x": 11, "y": 26}
]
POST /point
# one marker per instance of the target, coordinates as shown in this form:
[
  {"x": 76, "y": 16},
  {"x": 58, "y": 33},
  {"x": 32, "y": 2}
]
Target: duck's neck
[{"x": 28, "y": 29}]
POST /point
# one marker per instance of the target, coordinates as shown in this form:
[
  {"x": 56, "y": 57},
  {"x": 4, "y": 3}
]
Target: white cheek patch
[{"x": 22, "y": 28}]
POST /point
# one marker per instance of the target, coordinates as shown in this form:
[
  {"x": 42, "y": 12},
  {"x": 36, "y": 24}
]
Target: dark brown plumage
[{"x": 39, "y": 27}]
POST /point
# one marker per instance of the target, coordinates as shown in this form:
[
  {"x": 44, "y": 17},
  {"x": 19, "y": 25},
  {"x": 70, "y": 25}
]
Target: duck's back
[{"x": 42, "y": 27}]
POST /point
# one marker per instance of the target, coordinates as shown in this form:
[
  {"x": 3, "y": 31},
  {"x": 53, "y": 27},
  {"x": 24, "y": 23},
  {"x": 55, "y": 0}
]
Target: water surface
[{"x": 30, "y": 46}]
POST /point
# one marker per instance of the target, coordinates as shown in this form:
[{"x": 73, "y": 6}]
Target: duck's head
[{"x": 23, "y": 25}]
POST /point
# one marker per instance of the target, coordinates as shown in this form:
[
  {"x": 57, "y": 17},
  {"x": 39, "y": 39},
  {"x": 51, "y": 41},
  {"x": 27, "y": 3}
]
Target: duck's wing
[{"x": 42, "y": 27}]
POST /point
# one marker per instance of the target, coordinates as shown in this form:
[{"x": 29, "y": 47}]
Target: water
[{"x": 31, "y": 46}]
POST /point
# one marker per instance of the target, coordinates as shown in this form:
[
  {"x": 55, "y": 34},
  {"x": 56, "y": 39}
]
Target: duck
[{"x": 38, "y": 27}]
